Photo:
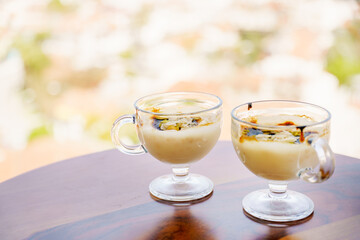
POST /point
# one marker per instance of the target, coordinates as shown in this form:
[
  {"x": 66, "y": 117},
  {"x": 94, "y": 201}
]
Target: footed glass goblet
[
  {"x": 177, "y": 128},
  {"x": 282, "y": 141}
]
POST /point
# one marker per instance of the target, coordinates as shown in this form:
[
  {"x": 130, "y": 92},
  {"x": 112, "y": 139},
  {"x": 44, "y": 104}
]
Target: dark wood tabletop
[{"x": 105, "y": 196}]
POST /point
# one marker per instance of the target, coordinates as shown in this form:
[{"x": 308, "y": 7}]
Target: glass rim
[
  {"x": 218, "y": 105},
  {"x": 280, "y": 127}
]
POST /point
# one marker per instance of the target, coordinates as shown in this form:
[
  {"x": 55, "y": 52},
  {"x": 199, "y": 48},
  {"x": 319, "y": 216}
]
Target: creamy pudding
[
  {"x": 179, "y": 139},
  {"x": 280, "y": 152}
]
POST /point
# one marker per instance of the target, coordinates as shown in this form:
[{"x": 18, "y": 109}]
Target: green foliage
[
  {"x": 99, "y": 127},
  {"x": 128, "y": 54},
  {"x": 30, "y": 49},
  {"x": 142, "y": 16},
  {"x": 38, "y": 132},
  {"x": 127, "y": 60},
  {"x": 41, "y": 37},
  {"x": 249, "y": 48},
  {"x": 343, "y": 58},
  {"x": 58, "y": 6}
]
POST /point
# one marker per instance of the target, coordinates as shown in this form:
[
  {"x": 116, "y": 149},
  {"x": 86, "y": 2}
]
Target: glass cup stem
[
  {"x": 181, "y": 185},
  {"x": 180, "y": 173},
  {"x": 277, "y": 189}
]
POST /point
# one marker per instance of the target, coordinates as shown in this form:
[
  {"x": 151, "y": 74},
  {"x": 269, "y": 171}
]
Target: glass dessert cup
[
  {"x": 177, "y": 128},
  {"x": 282, "y": 141}
]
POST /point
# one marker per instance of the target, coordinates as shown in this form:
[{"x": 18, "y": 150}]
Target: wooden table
[{"x": 105, "y": 196}]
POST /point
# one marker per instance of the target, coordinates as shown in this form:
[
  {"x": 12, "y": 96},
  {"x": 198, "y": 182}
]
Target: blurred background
[{"x": 69, "y": 68}]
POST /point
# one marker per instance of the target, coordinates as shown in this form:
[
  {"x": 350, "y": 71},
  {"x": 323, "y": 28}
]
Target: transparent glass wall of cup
[
  {"x": 177, "y": 128},
  {"x": 282, "y": 141}
]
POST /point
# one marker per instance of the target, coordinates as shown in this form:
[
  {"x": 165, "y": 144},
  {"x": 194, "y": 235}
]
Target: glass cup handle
[
  {"x": 120, "y": 145},
  {"x": 326, "y": 162}
]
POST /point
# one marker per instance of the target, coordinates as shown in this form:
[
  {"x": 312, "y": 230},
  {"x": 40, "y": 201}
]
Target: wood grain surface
[{"x": 105, "y": 196}]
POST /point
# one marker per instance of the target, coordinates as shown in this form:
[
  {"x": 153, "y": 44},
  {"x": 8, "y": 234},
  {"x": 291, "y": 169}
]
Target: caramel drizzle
[
  {"x": 155, "y": 110},
  {"x": 302, "y": 138},
  {"x": 287, "y": 123}
]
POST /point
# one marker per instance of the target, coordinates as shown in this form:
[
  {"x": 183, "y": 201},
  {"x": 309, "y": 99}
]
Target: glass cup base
[
  {"x": 292, "y": 206},
  {"x": 192, "y": 187}
]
